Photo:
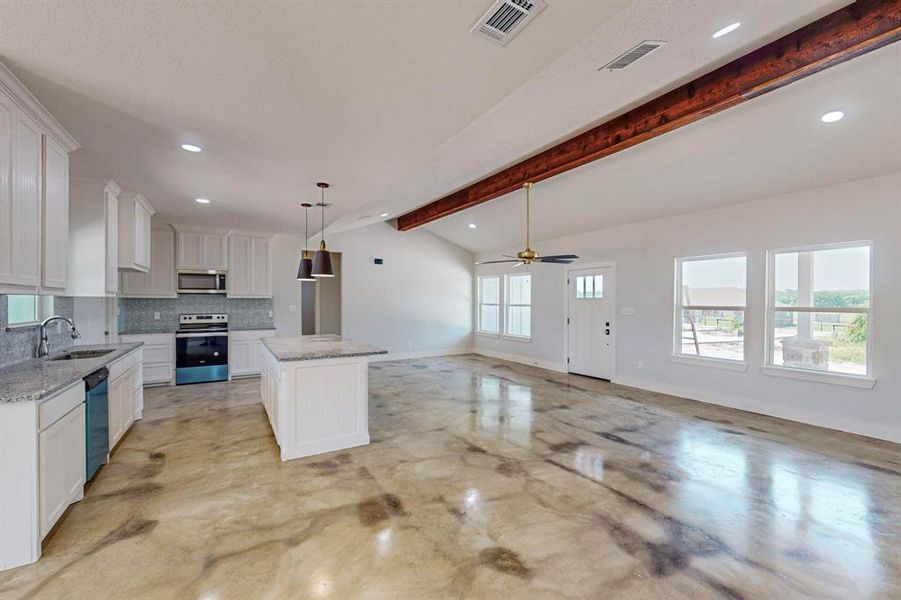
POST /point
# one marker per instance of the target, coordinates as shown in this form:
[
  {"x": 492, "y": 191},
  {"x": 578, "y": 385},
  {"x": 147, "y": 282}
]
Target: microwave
[{"x": 201, "y": 282}]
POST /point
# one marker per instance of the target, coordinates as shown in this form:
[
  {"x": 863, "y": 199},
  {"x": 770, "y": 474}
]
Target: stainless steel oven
[
  {"x": 201, "y": 349},
  {"x": 201, "y": 282}
]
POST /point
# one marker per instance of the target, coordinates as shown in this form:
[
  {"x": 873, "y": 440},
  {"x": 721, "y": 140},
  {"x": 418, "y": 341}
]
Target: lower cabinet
[
  {"x": 158, "y": 363},
  {"x": 61, "y": 451},
  {"x": 245, "y": 351},
  {"x": 126, "y": 395}
]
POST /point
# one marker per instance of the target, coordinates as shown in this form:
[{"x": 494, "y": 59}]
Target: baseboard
[
  {"x": 524, "y": 360},
  {"x": 753, "y": 406},
  {"x": 422, "y": 354}
]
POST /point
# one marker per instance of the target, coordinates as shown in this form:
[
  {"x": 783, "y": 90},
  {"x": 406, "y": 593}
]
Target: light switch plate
[
  {"x": 627, "y": 311},
  {"x": 292, "y": 308}
]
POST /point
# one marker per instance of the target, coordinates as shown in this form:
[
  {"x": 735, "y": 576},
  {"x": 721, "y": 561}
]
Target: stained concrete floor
[{"x": 484, "y": 479}]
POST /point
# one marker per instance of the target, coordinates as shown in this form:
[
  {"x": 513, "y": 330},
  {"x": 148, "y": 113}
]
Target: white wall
[
  {"x": 418, "y": 302},
  {"x": 644, "y": 254}
]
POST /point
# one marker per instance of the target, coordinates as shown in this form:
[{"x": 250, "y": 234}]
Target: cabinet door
[
  {"x": 260, "y": 270},
  {"x": 112, "y": 243},
  {"x": 162, "y": 263},
  {"x": 56, "y": 215},
  {"x": 190, "y": 250},
  {"x": 214, "y": 251},
  {"x": 7, "y": 118},
  {"x": 239, "y": 276},
  {"x": 142, "y": 240},
  {"x": 26, "y": 201},
  {"x": 240, "y": 356},
  {"x": 61, "y": 449},
  {"x": 117, "y": 392}
]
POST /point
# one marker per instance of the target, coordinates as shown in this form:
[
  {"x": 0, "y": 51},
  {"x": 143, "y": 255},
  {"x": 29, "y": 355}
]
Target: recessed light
[
  {"x": 383, "y": 215},
  {"x": 472, "y": 225},
  {"x": 727, "y": 29},
  {"x": 191, "y": 148},
  {"x": 832, "y": 116},
  {"x": 202, "y": 201}
]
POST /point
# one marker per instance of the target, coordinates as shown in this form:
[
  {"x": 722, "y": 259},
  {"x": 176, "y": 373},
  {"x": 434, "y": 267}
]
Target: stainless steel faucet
[{"x": 44, "y": 346}]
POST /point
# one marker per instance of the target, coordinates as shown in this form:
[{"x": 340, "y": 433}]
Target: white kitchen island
[{"x": 315, "y": 390}]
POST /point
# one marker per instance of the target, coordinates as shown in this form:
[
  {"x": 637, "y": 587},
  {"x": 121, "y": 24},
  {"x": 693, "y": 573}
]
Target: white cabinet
[
  {"x": 159, "y": 281},
  {"x": 61, "y": 452},
  {"x": 249, "y": 266},
  {"x": 201, "y": 249},
  {"x": 158, "y": 362},
  {"x": 55, "y": 212},
  {"x": 26, "y": 246},
  {"x": 93, "y": 238},
  {"x": 134, "y": 232},
  {"x": 245, "y": 351},
  {"x": 20, "y": 197}
]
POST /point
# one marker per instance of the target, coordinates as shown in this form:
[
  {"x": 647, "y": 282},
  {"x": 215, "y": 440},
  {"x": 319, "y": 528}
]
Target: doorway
[{"x": 591, "y": 322}]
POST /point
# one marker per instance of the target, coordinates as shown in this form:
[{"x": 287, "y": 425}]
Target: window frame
[
  {"x": 507, "y": 304},
  {"x": 43, "y": 309},
  {"x": 678, "y": 307},
  {"x": 499, "y": 304},
  {"x": 769, "y": 367}
]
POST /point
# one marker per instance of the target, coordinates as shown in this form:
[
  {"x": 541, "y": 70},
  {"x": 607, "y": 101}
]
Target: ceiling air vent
[
  {"x": 626, "y": 59},
  {"x": 506, "y": 18}
]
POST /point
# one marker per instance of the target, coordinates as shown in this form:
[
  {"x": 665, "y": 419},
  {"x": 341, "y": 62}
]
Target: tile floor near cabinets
[{"x": 484, "y": 480}]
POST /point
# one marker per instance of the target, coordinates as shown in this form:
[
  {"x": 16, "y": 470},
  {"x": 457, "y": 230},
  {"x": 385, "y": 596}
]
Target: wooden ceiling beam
[{"x": 845, "y": 34}]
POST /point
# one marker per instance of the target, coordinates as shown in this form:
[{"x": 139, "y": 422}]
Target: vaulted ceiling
[{"x": 394, "y": 103}]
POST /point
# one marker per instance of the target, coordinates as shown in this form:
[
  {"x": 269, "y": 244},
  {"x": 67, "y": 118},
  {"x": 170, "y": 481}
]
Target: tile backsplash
[
  {"x": 136, "y": 315},
  {"x": 21, "y": 343}
]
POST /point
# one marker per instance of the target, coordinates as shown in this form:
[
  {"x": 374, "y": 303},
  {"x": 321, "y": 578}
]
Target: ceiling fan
[{"x": 528, "y": 256}]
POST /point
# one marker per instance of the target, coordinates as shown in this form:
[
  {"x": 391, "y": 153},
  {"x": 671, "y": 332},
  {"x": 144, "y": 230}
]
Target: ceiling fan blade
[
  {"x": 494, "y": 262},
  {"x": 555, "y": 261},
  {"x": 559, "y": 256},
  {"x": 509, "y": 256},
  {"x": 519, "y": 264}
]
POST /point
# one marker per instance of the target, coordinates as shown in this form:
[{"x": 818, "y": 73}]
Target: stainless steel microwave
[{"x": 201, "y": 282}]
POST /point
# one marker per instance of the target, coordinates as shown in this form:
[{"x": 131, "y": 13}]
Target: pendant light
[
  {"x": 305, "y": 270},
  {"x": 322, "y": 261}
]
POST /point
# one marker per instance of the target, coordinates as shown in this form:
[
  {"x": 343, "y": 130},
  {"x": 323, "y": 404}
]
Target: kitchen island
[{"x": 315, "y": 390}]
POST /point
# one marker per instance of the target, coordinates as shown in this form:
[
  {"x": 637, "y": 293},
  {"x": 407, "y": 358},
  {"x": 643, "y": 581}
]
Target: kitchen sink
[{"x": 79, "y": 354}]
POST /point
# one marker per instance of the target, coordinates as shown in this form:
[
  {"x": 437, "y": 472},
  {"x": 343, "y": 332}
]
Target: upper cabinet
[
  {"x": 34, "y": 161},
  {"x": 159, "y": 281},
  {"x": 93, "y": 238},
  {"x": 55, "y": 246},
  {"x": 249, "y": 266},
  {"x": 134, "y": 232},
  {"x": 201, "y": 249}
]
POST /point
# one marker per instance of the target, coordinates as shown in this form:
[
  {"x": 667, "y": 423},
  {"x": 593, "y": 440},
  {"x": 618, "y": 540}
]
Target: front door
[{"x": 591, "y": 322}]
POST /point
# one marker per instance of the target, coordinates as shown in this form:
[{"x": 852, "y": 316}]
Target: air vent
[
  {"x": 506, "y": 18},
  {"x": 639, "y": 51}
]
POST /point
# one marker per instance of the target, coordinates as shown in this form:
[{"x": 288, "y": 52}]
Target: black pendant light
[
  {"x": 305, "y": 270},
  {"x": 322, "y": 261}
]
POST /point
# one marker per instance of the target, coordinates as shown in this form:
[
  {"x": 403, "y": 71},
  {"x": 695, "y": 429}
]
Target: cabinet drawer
[
  {"x": 57, "y": 406},
  {"x": 124, "y": 364}
]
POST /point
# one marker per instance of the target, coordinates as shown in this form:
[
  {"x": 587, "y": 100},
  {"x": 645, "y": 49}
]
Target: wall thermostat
[{"x": 378, "y": 261}]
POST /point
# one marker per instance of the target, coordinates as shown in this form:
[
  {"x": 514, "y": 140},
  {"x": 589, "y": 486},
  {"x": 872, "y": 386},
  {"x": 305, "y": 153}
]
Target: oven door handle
[{"x": 194, "y": 335}]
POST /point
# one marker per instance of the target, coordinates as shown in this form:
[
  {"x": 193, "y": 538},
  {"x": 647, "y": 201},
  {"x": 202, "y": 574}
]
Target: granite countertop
[
  {"x": 34, "y": 379},
  {"x": 314, "y": 347}
]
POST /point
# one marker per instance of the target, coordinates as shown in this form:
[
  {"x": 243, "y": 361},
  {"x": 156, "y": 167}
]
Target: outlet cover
[
  {"x": 156, "y": 316},
  {"x": 292, "y": 308}
]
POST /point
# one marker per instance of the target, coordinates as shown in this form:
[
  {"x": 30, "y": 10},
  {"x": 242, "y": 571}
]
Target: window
[
  {"x": 589, "y": 287},
  {"x": 28, "y": 309},
  {"x": 518, "y": 322},
  {"x": 489, "y": 305},
  {"x": 710, "y": 307},
  {"x": 818, "y": 309}
]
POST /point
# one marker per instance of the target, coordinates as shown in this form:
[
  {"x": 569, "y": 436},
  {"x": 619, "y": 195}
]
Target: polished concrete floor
[{"x": 484, "y": 480}]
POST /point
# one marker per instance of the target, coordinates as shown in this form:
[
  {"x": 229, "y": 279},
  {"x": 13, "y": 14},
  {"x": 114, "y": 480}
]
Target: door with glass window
[{"x": 590, "y": 322}]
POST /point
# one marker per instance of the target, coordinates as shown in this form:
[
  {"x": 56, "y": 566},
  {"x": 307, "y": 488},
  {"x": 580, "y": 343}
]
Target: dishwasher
[{"x": 96, "y": 421}]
